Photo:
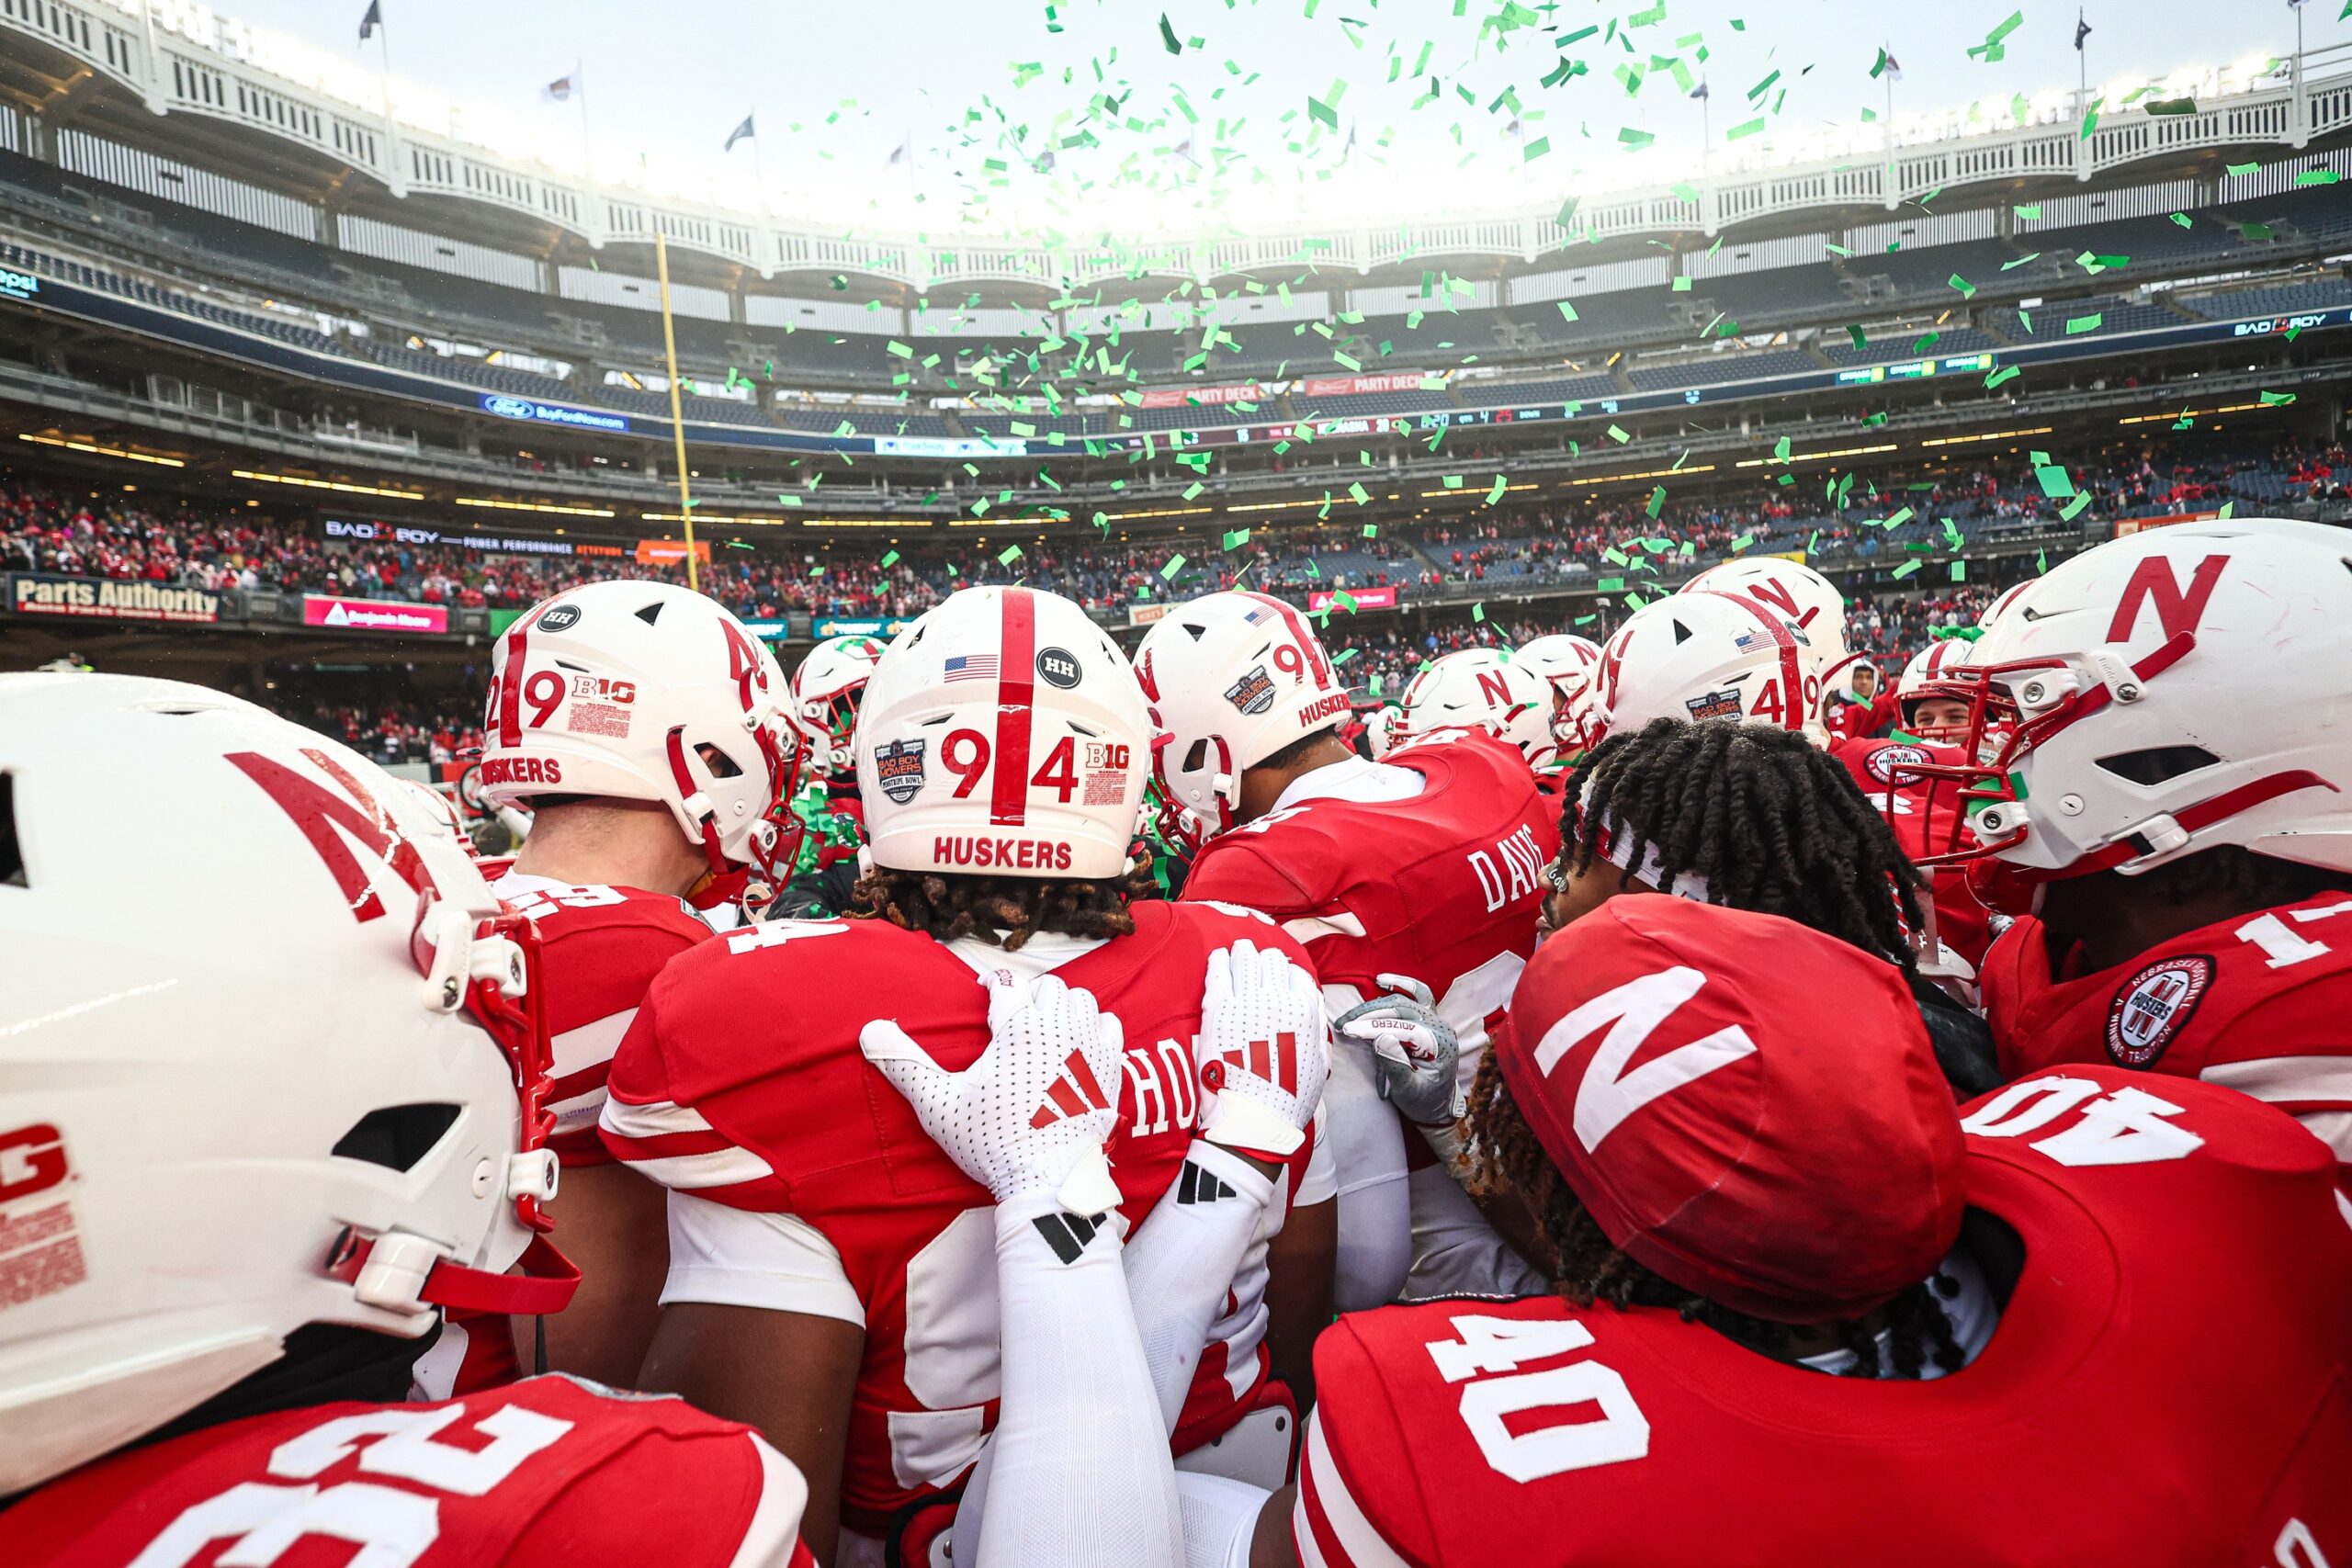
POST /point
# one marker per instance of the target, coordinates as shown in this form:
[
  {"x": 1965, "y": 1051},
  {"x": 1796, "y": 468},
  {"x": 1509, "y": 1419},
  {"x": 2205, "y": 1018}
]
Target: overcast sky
[{"x": 668, "y": 80}]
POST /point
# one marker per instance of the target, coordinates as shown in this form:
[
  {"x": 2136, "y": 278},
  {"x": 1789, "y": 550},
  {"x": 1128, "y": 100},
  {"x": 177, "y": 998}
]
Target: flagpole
[
  {"x": 677, "y": 412},
  {"x": 2082, "y": 70},
  {"x": 587, "y": 160}
]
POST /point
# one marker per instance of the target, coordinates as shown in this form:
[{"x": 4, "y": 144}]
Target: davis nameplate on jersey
[
  {"x": 2155, "y": 1005},
  {"x": 1714, "y": 704},
  {"x": 897, "y": 768},
  {"x": 1253, "y": 694}
]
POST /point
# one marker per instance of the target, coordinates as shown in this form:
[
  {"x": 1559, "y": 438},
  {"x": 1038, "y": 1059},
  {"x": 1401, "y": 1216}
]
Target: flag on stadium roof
[
  {"x": 561, "y": 88},
  {"x": 372, "y": 21},
  {"x": 737, "y": 134}
]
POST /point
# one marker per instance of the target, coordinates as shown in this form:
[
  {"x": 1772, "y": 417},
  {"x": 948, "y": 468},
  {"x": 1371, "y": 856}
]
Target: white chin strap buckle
[
  {"x": 533, "y": 1174},
  {"x": 460, "y": 958},
  {"x": 393, "y": 1277}
]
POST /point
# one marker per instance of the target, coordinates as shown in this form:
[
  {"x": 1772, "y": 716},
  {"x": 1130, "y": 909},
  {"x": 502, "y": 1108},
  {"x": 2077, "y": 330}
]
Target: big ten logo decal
[
  {"x": 1510, "y": 871},
  {"x": 39, "y": 1252},
  {"x": 1167, "y": 1098}
]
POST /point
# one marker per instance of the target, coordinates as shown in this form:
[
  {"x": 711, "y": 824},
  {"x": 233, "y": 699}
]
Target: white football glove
[
  {"x": 1414, "y": 1053},
  {"x": 1031, "y": 1115},
  {"x": 1264, "y": 1050}
]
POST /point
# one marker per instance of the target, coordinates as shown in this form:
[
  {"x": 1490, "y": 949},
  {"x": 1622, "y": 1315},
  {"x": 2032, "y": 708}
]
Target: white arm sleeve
[
  {"x": 736, "y": 1257},
  {"x": 1079, "y": 1471},
  {"x": 1368, "y": 1158},
  {"x": 1181, "y": 1265}
]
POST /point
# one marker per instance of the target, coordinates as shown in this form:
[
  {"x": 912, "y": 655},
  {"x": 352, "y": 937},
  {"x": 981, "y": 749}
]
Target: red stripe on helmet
[
  {"x": 1792, "y": 666},
  {"x": 1309, "y": 649},
  {"x": 1016, "y": 691},
  {"x": 510, "y": 685}
]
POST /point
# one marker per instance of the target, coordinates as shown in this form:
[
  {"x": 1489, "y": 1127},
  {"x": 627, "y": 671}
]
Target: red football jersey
[
  {"x": 1444, "y": 887},
  {"x": 600, "y": 948},
  {"x": 547, "y": 1473},
  {"x": 1927, "y": 819},
  {"x": 2259, "y": 1003},
  {"x": 741, "y": 1083},
  {"x": 1858, "y": 721},
  {"x": 2166, "y": 1386}
]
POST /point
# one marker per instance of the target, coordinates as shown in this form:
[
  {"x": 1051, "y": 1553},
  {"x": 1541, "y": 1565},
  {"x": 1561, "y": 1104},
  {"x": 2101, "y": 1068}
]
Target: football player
[
  {"x": 1415, "y": 882},
  {"x": 1695, "y": 656},
  {"x": 1778, "y": 830},
  {"x": 1570, "y": 663},
  {"x": 1814, "y": 609},
  {"x": 248, "y": 1162},
  {"x": 2169, "y": 813},
  {"x": 826, "y": 691},
  {"x": 645, "y": 729},
  {"x": 1482, "y": 688},
  {"x": 829, "y": 1262},
  {"x": 1685, "y": 1095}
]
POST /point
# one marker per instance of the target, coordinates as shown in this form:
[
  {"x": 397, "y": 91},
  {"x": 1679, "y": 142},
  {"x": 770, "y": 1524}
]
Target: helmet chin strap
[{"x": 400, "y": 1272}]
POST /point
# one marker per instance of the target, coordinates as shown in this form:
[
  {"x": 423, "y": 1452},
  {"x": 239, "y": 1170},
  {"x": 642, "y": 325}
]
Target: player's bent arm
[
  {"x": 724, "y": 1499},
  {"x": 788, "y": 1375},
  {"x": 1301, "y": 1264},
  {"x": 614, "y": 1226},
  {"x": 1271, "y": 1546}
]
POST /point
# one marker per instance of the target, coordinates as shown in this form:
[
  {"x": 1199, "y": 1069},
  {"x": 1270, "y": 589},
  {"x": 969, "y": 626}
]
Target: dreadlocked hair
[
  {"x": 1773, "y": 823},
  {"x": 1505, "y": 1161},
  {"x": 949, "y": 907}
]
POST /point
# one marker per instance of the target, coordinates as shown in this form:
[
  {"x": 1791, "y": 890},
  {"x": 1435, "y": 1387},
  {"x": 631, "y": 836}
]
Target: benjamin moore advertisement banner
[
  {"x": 103, "y": 599},
  {"x": 373, "y": 614}
]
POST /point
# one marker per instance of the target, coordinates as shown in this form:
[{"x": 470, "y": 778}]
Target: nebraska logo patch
[
  {"x": 2154, "y": 1006},
  {"x": 1253, "y": 694},
  {"x": 897, "y": 768},
  {"x": 1714, "y": 704},
  {"x": 1882, "y": 762}
]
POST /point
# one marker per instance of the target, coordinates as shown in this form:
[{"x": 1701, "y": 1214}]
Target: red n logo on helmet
[
  {"x": 1494, "y": 689},
  {"x": 2178, "y": 611},
  {"x": 319, "y": 814},
  {"x": 1772, "y": 592}
]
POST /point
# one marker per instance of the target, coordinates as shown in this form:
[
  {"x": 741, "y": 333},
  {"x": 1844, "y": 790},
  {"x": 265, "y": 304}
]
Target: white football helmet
[
  {"x": 315, "y": 1098},
  {"x": 646, "y": 691},
  {"x": 1002, "y": 734},
  {"x": 1933, "y": 672},
  {"x": 1701, "y": 656},
  {"x": 440, "y": 807},
  {"x": 1571, "y": 664},
  {"x": 2162, "y": 694},
  {"x": 1386, "y": 730},
  {"x": 1232, "y": 679},
  {"x": 1482, "y": 688},
  {"x": 825, "y": 693},
  {"x": 1797, "y": 594}
]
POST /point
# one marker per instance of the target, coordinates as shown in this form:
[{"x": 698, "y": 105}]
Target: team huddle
[{"x": 1689, "y": 1099}]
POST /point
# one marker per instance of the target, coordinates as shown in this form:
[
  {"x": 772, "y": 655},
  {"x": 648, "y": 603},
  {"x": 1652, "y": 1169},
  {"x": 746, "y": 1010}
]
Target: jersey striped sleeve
[{"x": 1327, "y": 1526}]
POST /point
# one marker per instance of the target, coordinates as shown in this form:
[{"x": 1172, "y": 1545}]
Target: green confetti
[
  {"x": 2242, "y": 168},
  {"x": 1906, "y": 569},
  {"x": 2090, "y": 323},
  {"x": 2170, "y": 105},
  {"x": 1967, "y": 289},
  {"x": 1745, "y": 128},
  {"x": 1168, "y": 36},
  {"x": 2255, "y": 234},
  {"x": 2182, "y": 217},
  {"x": 1496, "y": 494},
  {"x": 1635, "y": 140},
  {"x": 889, "y": 561},
  {"x": 2317, "y": 178},
  {"x": 2031, "y": 210},
  {"x": 1175, "y": 564},
  {"x": 1960, "y": 571},
  {"x": 2072, "y": 508},
  {"x": 1855, "y": 333},
  {"x": 2277, "y": 400},
  {"x": 2228, "y": 507},
  {"x": 1618, "y": 435},
  {"x": 2053, "y": 480},
  {"x": 1236, "y": 537},
  {"x": 1568, "y": 312},
  {"x": 1657, "y": 500}
]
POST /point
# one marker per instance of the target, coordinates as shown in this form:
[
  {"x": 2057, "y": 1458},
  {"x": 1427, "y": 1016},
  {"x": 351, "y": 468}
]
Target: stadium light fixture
[
  {"x": 98, "y": 451},
  {"x": 2191, "y": 414},
  {"x": 1991, "y": 436},
  {"x": 533, "y": 507},
  {"x": 338, "y": 486},
  {"x": 1163, "y": 511},
  {"x": 1816, "y": 456},
  {"x": 1616, "y": 479},
  {"x": 1467, "y": 490}
]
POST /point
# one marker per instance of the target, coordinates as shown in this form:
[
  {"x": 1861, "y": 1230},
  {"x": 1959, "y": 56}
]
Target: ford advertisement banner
[
  {"x": 506, "y": 407},
  {"x": 1359, "y": 598}
]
